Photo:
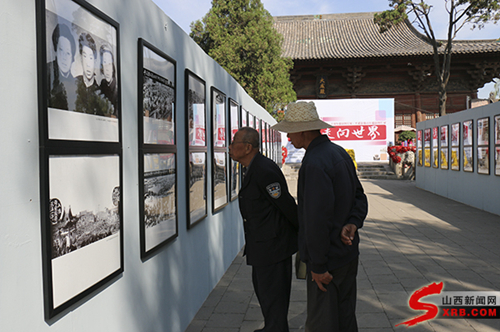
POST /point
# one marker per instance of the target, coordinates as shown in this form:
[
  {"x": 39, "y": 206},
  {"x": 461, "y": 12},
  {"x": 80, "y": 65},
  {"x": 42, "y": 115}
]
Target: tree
[
  {"x": 406, "y": 135},
  {"x": 460, "y": 13},
  {"x": 240, "y": 36}
]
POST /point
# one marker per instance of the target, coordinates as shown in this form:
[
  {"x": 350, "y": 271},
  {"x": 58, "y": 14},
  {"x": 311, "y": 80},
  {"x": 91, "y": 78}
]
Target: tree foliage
[
  {"x": 406, "y": 135},
  {"x": 460, "y": 13},
  {"x": 240, "y": 36}
]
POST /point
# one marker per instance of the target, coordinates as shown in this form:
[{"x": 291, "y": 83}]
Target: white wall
[
  {"x": 162, "y": 293},
  {"x": 478, "y": 190}
]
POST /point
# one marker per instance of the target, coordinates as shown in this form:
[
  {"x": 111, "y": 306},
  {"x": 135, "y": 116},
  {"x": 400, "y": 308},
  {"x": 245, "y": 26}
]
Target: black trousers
[
  {"x": 335, "y": 309},
  {"x": 272, "y": 285}
]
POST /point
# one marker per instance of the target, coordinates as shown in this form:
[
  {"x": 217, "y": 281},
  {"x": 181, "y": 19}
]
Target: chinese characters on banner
[{"x": 365, "y": 132}]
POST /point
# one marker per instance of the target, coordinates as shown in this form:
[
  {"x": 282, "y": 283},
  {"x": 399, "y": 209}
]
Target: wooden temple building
[{"x": 341, "y": 56}]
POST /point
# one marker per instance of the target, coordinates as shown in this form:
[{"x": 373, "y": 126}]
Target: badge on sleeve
[{"x": 274, "y": 189}]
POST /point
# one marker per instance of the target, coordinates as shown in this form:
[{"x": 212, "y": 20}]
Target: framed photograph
[
  {"x": 497, "y": 129},
  {"x": 244, "y": 117},
  {"x": 455, "y": 158},
  {"x": 427, "y": 157},
  {"x": 80, "y": 71},
  {"x": 157, "y": 81},
  {"x": 444, "y": 136},
  {"x": 83, "y": 240},
  {"x": 435, "y": 135},
  {"x": 235, "y": 177},
  {"x": 264, "y": 140},
  {"x": 455, "y": 134},
  {"x": 435, "y": 157},
  {"x": 251, "y": 121},
  {"x": 483, "y": 160},
  {"x": 468, "y": 159},
  {"x": 419, "y": 156},
  {"x": 483, "y": 130},
  {"x": 497, "y": 160},
  {"x": 157, "y": 148},
  {"x": 467, "y": 131},
  {"x": 419, "y": 139},
  {"x": 196, "y": 148},
  {"x": 444, "y": 158},
  {"x": 197, "y": 187},
  {"x": 220, "y": 153},
  {"x": 159, "y": 206},
  {"x": 427, "y": 137}
]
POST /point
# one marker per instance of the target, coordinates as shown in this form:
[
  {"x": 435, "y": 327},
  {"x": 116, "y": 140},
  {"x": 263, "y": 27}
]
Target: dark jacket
[
  {"x": 330, "y": 196},
  {"x": 269, "y": 214}
]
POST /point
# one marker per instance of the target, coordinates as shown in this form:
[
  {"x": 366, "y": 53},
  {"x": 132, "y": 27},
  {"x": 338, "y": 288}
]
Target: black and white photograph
[
  {"x": 196, "y": 96},
  {"x": 197, "y": 186},
  {"x": 483, "y": 131},
  {"x": 455, "y": 134},
  {"x": 497, "y": 129},
  {"x": 160, "y": 212},
  {"x": 158, "y": 97},
  {"x": 467, "y": 130},
  {"x": 468, "y": 159},
  {"x": 497, "y": 160},
  {"x": 483, "y": 160},
  {"x": 455, "y": 158},
  {"x": 85, "y": 222},
  {"x": 235, "y": 166},
  {"x": 82, "y": 89},
  {"x": 220, "y": 180}
]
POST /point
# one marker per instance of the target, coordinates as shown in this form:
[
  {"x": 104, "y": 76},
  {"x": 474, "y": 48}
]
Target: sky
[{"x": 186, "y": 11}]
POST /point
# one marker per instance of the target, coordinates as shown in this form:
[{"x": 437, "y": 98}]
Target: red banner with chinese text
[{"x": 356, "y": 132}]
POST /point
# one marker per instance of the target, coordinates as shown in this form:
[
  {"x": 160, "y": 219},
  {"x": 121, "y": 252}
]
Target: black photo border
[
  {"x": 62, "y": 147},
  {"x": 194, "y": 149},
  {"x": 42, "y": 72},
  {"x": 147, "y": 149},
  {"x": 496, "y": 130},
  {"x": 487, "y": 120},
  {"x": 219, "y": 149},
  {"x": 232, "y": 102}
]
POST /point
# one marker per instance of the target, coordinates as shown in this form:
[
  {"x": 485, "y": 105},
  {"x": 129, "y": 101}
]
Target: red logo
[{"x": 415, "y": 304}]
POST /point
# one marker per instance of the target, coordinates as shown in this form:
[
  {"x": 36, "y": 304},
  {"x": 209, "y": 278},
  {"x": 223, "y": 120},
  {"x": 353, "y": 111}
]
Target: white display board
[{"x": 365, "y": 125}]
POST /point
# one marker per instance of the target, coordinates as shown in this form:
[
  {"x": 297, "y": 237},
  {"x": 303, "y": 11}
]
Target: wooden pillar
[{"x": 418, "y": 105}]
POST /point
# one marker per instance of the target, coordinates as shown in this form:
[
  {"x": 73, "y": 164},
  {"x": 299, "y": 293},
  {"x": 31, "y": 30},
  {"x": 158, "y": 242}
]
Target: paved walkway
[{"x": 411, "y": 238}]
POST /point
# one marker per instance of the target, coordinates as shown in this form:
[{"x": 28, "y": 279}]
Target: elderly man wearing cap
[
  {"x": 270, "y": 221},
  {"x": 332, "y": 207}
]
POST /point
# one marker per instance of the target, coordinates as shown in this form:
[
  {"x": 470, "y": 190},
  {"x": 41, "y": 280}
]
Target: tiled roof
[{"x": 355, "y": 35}]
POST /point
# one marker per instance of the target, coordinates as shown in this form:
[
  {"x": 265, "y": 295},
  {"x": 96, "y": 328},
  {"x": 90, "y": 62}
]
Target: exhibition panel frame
[
  {"x": 157, "y": 148},
  {"x": 234, "y": 175},
  {"x": 80, "y": 151},
  {"x": 196, "y": 148},
  {"x": 220, "y": 196}
]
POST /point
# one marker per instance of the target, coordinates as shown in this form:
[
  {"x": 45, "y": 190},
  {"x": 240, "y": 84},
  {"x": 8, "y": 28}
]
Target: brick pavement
[{"x": 411, "y": 238}]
